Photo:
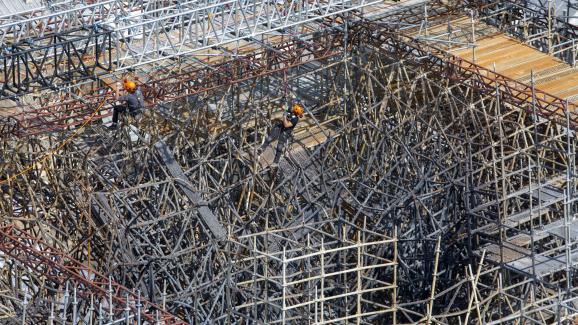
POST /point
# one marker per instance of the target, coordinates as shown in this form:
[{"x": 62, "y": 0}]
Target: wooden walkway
[
  {"x": 511, "y": 58},
  {"x": 514, "y": 59},
  {"x": 495, "y": 51},
  {"x": 306, "y": 135}
]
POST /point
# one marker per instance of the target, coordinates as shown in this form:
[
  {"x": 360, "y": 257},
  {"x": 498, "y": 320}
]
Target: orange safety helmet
[
  {"x": 298, "y": 110},
  {"x": 129, "y": 86}
]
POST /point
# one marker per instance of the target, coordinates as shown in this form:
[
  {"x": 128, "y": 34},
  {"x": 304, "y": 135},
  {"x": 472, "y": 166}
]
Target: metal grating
[{"x": 14, "y": 7}]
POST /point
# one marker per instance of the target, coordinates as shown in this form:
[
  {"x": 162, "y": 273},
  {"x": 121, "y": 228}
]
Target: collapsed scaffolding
[{"x": 415, "y": 191}]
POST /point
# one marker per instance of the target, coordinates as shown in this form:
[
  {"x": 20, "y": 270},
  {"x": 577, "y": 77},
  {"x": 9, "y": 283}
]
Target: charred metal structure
[{"x": 431, "y": 181}]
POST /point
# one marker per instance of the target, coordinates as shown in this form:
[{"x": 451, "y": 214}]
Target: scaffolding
[
  {"x": 316, "y": 276},
  {"x": 426, "y": 184}
]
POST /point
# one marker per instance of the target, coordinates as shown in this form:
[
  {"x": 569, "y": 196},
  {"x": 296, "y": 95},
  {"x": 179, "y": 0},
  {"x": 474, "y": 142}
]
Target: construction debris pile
[{"x": 431, "y": 179}]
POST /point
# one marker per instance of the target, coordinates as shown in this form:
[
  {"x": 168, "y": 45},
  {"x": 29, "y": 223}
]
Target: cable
[{"x": 53, "y": 151}]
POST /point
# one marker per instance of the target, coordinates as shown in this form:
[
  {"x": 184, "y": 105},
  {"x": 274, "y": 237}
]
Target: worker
[
  {"x": 282, "y": 131},
  {"x": 132, "y": 102}
]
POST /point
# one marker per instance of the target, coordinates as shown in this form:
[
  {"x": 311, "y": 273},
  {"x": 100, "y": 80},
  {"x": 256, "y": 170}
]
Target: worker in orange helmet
[
  {"x": 132, "y": 102},
  {"x": 283, "y": 130}
]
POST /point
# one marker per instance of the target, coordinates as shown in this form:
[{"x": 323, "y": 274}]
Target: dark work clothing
[
  {"x": 132, "y": 104},
  {"x": 294, "y": 119},
  {"x": 116, "y": 110},
  {"x": 282, "y": 134},
  {"x": 121, "y": 109}
]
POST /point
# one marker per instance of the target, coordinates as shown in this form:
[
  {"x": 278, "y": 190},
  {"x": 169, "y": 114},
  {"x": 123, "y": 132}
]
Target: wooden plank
[
  {"x": 487, "y": 45},
  {"x": 517, "y": 60},
  {"x": 514, "y": 220},
  {"x": 544, "y": 265}
]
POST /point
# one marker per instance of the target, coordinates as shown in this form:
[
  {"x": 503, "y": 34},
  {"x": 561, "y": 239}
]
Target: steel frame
[
  {"x": 415, "y": 140},
  {"x": 291, "y": 53},
  {"x": 62, "y": 59},
  {"x": 146, "y": 32},
  {"x": 56, "y": 267}
]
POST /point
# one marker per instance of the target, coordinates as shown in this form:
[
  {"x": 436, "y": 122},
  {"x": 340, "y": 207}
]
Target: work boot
[{"x": 113, "y": 126}]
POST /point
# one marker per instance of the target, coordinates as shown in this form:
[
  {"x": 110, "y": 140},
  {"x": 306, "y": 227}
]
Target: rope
[{"x": 53, "y": 151}]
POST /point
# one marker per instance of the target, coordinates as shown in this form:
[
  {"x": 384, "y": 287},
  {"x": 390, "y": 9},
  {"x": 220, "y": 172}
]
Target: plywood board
[{"x": 514, "y": 59}]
